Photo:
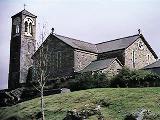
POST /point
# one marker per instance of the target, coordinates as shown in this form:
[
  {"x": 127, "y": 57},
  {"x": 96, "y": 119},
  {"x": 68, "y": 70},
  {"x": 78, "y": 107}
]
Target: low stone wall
[{"x": 12, "y": 97}]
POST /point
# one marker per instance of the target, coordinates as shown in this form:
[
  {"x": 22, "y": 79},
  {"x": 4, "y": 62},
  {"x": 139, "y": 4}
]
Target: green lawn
[{"x": 123, "y": 101}]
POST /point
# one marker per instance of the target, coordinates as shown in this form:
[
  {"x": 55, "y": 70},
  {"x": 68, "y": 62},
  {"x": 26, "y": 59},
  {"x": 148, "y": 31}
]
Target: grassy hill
[{"x": 122, "y": 101}]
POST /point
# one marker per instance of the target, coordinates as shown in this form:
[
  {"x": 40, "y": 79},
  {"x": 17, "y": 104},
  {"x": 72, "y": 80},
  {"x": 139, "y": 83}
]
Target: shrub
[
  {"x": 121, "y": 79},
  {"x": 125, "y": 78},
  {"x": 135, "y": 78},
  {"x": 88, "y": 80}
]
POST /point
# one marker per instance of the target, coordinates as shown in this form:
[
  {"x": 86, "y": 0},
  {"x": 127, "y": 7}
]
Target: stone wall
[
  {"x": 14, "y": 66},
  {"x": 21, "y": 49},
  {"x": 59, "y": 61},
  {"x": 113, "y": 69},
  {"x": 82, "y": 59},
  {"x": 142, "y": 56},
  {"x": 28, "y": 44},
  {"x": 113, "y": 54}
]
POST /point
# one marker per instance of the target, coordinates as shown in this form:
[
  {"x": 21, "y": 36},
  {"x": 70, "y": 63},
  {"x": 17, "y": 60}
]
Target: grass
[{"x": 123, "y": 101}]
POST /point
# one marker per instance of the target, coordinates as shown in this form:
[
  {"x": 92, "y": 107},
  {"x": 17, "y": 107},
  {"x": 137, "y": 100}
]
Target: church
[{"x": 63, "y": 57}]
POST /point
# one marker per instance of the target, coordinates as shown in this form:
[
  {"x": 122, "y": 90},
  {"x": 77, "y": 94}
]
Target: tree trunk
[{"x": 42, "y": 104}]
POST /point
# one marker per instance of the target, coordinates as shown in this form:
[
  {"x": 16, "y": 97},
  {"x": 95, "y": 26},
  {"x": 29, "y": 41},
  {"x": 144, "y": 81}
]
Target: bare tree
[{"x": 40, "y": 68}]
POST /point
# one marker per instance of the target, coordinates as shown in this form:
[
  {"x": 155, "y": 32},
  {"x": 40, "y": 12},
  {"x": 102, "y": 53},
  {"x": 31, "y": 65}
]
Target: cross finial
[
  {"x": 139, "y": 31},
  {"x": 25, "y": 6},
  {"x": 52, "y": 30}
]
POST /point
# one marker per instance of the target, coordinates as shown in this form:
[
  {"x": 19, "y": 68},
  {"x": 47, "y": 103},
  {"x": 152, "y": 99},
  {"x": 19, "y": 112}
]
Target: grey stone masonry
[
  {"x": 65, "y": 59},
  {"x": 138, "y": 55},
  {"x": 113, "y": 69},
  {"x": 83, "y": 59},
  {"x": 62, "y": 57},
  {"x": 22, "y": 47},
  {"x": 120, "y": 54},
  {"x": 59, "y": 62}
]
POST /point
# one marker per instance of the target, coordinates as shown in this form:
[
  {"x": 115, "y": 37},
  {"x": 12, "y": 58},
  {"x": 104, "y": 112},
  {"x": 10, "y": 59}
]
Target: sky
[{"x": 88, "y": 20}]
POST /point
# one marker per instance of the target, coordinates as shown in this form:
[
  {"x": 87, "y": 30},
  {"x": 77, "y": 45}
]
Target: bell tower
[{"x": 22, "y": 47}]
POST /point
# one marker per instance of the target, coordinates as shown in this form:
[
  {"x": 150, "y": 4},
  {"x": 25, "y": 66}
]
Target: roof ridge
[
  {"x": 74, "y": 39},
  {"x": 117, "y": 39}
]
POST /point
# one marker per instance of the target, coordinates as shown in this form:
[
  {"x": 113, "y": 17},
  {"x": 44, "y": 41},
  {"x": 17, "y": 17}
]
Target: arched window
[
  {"x": 148, "y": 59},
  {"x": 59, "y": 59},
  {"x": 26, "y": 26},
  {"x": 30, "y": 28},
  {"x": 133, "y": 58},
  {"x": 29, "y": 23},
  {"x": 17, "y": 28}
]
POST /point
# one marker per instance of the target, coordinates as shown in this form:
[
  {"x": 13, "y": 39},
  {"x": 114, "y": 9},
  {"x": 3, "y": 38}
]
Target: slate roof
[
  {"x": 107, "y": 46},
  {"x": 116, "y": 44},
  {"x": 78, "y": 44},
  {"x": 153, "y": 65},
  {"x": 112, "y": 45},
  {"x": 98, "y": 65},
  {"x": 25, "y": 12}
]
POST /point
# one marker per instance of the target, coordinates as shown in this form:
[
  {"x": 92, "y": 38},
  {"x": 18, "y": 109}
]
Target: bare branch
[
  {"x": 41, "y": 65},
  {"x": 36, "y": 88}
]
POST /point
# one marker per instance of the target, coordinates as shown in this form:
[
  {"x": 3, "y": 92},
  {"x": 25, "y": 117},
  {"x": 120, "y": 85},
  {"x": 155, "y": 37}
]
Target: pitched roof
[
  {"x": 153, "y": 65},
  {"x": 25, "y": 12},
  {"x": 98, "y": 65},
  {"x": 116, "y": 44},
  {"x": 149, "y": 47},
  {"x": 77, "y": 43},
  {"x": 112, "y": 45},
  {"x": 107, "y": 46}
]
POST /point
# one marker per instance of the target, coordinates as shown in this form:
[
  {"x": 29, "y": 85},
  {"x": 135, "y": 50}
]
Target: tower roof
[{"x": 24, "y": 12}]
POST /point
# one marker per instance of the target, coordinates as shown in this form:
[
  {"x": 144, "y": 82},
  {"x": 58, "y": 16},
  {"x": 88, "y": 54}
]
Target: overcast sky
[{"x": 88, "y": 20}]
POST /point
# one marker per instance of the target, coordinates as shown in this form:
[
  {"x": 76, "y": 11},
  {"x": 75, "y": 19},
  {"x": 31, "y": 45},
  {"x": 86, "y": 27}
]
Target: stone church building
[{"x": 63, "y": 56}]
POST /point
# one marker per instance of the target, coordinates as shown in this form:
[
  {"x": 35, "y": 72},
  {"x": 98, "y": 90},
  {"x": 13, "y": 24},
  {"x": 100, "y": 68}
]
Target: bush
[
  {"x": 88, "y": 80},
  {"x": 135, "y": 78},
  {"x": 125, "y": 78}
]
